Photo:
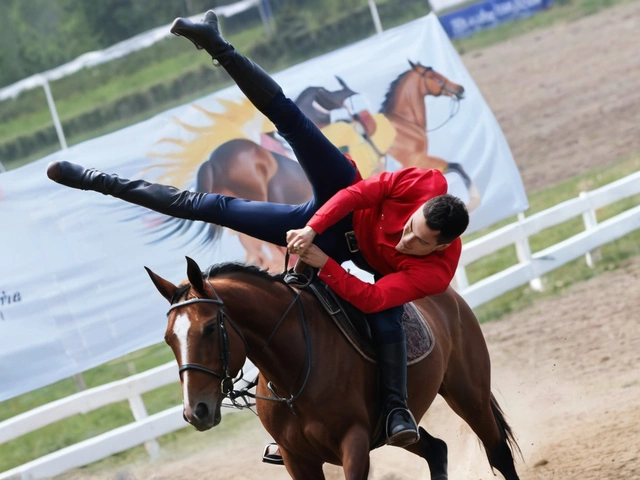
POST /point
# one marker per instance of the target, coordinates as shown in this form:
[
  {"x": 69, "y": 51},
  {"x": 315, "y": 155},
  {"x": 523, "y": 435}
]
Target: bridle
[
  {"x": 227, "y": 382},
  {"x": 425, "y": 80}
]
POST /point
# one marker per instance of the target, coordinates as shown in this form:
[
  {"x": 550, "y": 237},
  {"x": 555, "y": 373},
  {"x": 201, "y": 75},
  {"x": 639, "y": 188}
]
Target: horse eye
[{"x": 209, "y": 329}]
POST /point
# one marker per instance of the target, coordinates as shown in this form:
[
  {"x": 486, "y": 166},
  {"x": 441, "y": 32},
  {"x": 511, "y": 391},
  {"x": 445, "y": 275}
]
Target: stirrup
[
  {"x": 405, "y": 437},
  {"x": 271, "y": 454}
]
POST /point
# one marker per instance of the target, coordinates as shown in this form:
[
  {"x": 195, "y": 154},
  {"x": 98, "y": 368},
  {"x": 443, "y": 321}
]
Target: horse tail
[
  {"x": 474, "y": 194},
  {"x": 506, "y": 433},
  {"x": 206, "y": 182}
]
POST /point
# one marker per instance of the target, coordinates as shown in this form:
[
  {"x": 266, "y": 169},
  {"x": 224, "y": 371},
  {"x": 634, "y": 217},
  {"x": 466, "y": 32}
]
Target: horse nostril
[{"x": 202, "y": 411}]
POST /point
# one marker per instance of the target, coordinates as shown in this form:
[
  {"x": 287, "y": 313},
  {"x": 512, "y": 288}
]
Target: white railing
[{"x": 530, "y": 267}]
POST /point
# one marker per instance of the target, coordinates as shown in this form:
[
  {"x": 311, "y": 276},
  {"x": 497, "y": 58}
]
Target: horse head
[
  {"x": 435, "y": 83},
  {"x": 317, "y": 102},
  {"x": 202, "y": 337}
]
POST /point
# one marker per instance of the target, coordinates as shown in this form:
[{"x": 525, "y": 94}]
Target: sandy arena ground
[{"x": 567, "y": 370}]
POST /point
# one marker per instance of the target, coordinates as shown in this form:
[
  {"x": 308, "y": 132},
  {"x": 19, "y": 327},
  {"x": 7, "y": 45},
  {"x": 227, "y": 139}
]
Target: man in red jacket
[{"x": 401, "y": 226}]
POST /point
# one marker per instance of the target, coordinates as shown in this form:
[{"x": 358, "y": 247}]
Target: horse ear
[
  {"x": 413, "y": 65},
  {"x": 342, "y": 82},
  {"x": 194, "y": 274},
  {"x": 165, "y": 287}
]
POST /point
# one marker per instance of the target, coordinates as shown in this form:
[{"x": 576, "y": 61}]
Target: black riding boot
[
  {"x": 161, "y": 198},
  {"x": 254, "y": 82},
  {"x": 400, "y": 425}
]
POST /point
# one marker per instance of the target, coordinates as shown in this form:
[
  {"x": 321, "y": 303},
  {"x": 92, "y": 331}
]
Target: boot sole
[{"x": 404, "y": 439}]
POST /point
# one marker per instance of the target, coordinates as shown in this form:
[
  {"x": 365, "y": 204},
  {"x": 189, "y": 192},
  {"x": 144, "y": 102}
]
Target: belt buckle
[{"x": 352, "y": 241}]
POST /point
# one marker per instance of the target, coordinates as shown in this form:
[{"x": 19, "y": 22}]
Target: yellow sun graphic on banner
[
  {"x": 241, "y": 120},
  {"x": 238, "y": 120}
]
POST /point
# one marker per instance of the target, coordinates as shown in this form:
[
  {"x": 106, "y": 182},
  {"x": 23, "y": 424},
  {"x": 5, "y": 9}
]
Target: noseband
[{"x": 226, "y": 381}]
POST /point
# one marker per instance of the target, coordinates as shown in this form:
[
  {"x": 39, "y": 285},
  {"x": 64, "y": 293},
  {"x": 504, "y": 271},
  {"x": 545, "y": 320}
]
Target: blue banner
[{"x": 489, "y": 13}]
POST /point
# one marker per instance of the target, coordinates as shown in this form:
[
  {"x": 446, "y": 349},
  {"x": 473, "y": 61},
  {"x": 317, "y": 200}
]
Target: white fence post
[
  {"x": 460, "y": 280},
  {"x": 54, "y": 113},
  {"x": 375, "y": 16},
  {"x": 523, "y": 251},
  {"x": 139, "y": 413},
  {"x": 590, "y": 222}
]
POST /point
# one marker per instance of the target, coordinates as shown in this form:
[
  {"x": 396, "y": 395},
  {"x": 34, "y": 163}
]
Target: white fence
[{"x": 530, "y": 267}]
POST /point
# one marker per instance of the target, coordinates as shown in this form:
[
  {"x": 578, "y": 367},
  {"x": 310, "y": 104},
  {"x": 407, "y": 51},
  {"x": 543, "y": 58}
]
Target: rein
[{"x": 227, "y": 382}]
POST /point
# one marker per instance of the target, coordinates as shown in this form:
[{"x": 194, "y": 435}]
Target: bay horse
[
  {"x": 316, "y": 394},
  {"x": 404, "y": 107}
]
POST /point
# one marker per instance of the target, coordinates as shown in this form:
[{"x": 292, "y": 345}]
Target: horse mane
[
  {"x": 388, "y": 98},
  {"x": 238, "y": 267},
  {"x": 229, "y": 267}
]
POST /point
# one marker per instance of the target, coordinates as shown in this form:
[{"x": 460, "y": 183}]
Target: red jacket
[{"x": 382, "y": 204}]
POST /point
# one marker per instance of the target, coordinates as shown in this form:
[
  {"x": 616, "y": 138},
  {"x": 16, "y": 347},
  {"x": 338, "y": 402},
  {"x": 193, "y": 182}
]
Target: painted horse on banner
[
  {"x": 404, "y": 107},
  {"x": 316, "y": 394}
]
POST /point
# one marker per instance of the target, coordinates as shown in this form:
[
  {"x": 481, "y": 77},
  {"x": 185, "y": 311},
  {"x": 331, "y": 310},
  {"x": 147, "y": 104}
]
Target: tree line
[{"x": 37, "y": 35}]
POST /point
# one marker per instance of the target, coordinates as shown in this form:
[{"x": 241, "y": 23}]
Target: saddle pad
[
  {"x": 420, "y": 340},
  {"x": 352, "y": 322}
]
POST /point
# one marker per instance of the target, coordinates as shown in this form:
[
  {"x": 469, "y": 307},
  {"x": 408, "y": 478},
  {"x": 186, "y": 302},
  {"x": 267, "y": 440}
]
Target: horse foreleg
[
  {"x": 302, "y": 468},
  {"x": 355, "y": 454},
  {"x": 434, "y": 451}
]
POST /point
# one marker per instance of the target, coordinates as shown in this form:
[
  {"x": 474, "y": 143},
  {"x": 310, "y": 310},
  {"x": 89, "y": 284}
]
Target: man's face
[{"x": 417, "y": 238}]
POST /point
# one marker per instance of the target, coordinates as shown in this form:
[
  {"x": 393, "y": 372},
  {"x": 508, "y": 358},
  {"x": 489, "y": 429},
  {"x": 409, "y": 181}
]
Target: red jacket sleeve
[
  {"x": 373, "y": 190},
  {"x": 430, "y": 275}
]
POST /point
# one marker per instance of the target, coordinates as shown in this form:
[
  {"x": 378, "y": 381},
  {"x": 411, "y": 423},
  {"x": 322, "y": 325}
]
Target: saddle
[{"x": 353, "y": 324}]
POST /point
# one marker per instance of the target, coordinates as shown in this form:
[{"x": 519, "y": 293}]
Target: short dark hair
[{"x": 448, "y": 215}]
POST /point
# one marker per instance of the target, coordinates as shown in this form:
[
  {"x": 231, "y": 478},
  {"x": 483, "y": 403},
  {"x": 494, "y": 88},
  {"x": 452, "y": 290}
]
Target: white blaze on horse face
[{"x": 181, "y": 330}]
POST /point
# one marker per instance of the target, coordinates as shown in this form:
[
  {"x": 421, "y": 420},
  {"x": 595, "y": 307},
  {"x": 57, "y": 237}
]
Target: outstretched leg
[
  {"x": 263, "y": 220},
  {"x": 327, "y": 169},
  {"x": 434, "y": 451},
  {"x": 355, "y": 454},
  {"x": 302, "y": 468}
]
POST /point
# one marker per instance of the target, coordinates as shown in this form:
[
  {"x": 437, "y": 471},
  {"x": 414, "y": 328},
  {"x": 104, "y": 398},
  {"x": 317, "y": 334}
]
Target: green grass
[{"x": 613, "y": 254}]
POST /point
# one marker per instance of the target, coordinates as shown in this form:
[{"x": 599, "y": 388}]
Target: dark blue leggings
[{"x": 327, "y": 170}]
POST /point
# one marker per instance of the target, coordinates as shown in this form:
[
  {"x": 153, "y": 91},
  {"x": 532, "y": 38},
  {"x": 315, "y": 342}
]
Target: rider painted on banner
[{"x": 402, "y": 227}]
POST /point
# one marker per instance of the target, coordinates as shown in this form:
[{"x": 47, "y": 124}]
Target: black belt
[{"x": 352, "y": 241}]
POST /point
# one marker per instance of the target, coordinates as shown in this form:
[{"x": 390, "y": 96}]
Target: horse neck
[
  {"x": 256, "y": 306},
  {"x": 408, "y": 101}
]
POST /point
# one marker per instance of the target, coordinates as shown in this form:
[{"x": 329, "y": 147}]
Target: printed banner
[
  {"x": 489, "y": 13},
  {"x": 73, "y": 291}
]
